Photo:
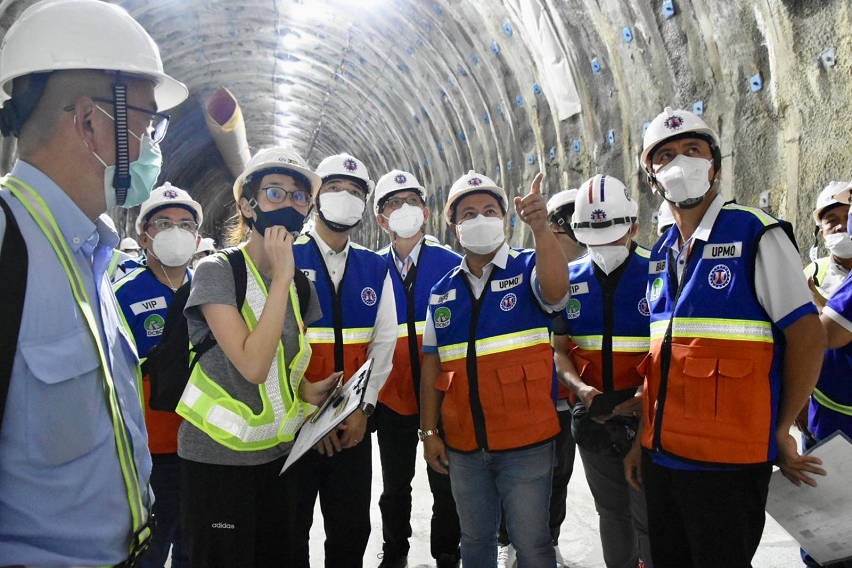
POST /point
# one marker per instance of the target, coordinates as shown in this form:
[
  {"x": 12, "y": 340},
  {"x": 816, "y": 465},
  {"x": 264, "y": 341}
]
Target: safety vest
[
  {"x": 41, "y": 214},
  {"x": 609, "y": 329},
  {"x": 713, "y": 374},
  {"x": 144, "y": 303},
  {"x": 496, "y": 359},
  {"x": 231, "y": 422},
  {"x": 339, "y": 339},
  {"x": 402, "y": 389},
  {"x": 818, "y": 269}
]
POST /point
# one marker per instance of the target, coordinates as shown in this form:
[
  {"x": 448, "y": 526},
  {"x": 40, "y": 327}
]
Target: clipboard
[{"x": 342, "y": 402}]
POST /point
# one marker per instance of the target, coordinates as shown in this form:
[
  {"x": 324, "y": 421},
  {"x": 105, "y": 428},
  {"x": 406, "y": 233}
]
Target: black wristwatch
[{"x": 367, "y": 409}]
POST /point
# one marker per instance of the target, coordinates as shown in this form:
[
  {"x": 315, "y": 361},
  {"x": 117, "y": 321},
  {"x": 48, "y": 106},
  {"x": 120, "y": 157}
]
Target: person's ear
[
  {"x": 382, "y": 222},
  {"x": 245, "y": 208},
  {"x": 84, "y": 115},
  {"x": 425, "y": 214}
]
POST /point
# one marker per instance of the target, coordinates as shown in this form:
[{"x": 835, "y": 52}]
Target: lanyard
[{"x": 41, "y": 214}]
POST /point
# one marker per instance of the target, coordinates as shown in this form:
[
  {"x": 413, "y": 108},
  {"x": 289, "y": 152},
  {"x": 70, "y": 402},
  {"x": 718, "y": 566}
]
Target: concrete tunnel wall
[{"x": 439, "y": 87}]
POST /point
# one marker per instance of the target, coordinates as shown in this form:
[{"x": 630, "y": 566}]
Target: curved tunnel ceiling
[{"x": 509, "y": 88}]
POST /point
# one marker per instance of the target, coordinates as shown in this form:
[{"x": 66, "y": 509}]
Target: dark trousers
[
  {"x": 232, "y": 515},
  {"x": 704, "y": 519},
  {"x": 165, "y": 481},
  {"x": 342, "y": 482},
  {"x": 562, "y": 469},
  {"x": 397, "y": 437}
]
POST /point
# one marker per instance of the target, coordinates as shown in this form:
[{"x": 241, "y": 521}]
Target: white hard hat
[
  {"x": 165, "y": 196},
  {"x": 671, "y": 123},
  {"x": 604, "y": 211},
  {"x": 473, "y": 182},
  {"x": 206, "y": 245},
  {"x": 561, "y": 199},
  {"x": 665, "y": 219},
  {"x": 107, "y": 220},
  {"x": 282, "y": 159},
  {"x": 835, "y": 193},
  {"x": 55, "y": 35},
  {"x": 128, "y": 244},
  {"x": 345, "y": 165},
  {"x": 393, "y": 181}
]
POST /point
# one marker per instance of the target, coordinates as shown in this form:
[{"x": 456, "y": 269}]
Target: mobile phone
[
  {"x": 605, "y": 403},
  {"x": 334, "y": 394}
]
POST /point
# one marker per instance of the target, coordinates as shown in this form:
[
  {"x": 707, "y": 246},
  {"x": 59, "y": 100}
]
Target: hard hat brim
[
  {"x": 595, "y": 237},
  {"x": 497, "y": 192},
  {"x": 307, "y": 173}
]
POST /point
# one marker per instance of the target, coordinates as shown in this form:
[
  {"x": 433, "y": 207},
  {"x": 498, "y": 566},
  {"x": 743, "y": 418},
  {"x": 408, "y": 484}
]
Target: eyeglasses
[
  {"x": 164, "y": 224},
  {"x": 279, "y": 195},
  {"x": 397, "y": 202},
  {"x": 158, "y": 123}
]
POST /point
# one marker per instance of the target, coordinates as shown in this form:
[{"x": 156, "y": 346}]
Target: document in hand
[
  {"x": 819, "y": 518},
  {"x": 341, "y": 402}
]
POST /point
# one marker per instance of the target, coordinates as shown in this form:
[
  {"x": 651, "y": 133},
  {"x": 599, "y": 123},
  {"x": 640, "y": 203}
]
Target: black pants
[
  {"x": 563, "y": 467},
  {"x": 231, "y": 515},
  {"x": 704, "y": 519},
  {"x": 397, "y": 436},
  {"x": 342, "y": 482}
]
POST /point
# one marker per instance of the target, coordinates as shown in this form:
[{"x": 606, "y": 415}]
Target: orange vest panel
[
  {"x": 322, "y": 360},
  {"x": 398, "y": 392},
  {"x": 162, "y": 426}
]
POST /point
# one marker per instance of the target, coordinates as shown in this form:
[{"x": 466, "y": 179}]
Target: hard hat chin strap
[
  {"x": 121, "y": 179},
  {"x": 17, "y": 110}
]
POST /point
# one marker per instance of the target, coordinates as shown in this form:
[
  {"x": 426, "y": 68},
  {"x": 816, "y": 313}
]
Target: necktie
[{"x": 406, "y": 266}]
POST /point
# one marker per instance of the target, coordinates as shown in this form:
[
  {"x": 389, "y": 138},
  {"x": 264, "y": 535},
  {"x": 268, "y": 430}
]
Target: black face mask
[{"x": 287, "y": 217}]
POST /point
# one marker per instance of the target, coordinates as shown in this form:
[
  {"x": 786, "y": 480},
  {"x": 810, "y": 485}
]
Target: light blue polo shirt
[{"x": 62, "y": 497}]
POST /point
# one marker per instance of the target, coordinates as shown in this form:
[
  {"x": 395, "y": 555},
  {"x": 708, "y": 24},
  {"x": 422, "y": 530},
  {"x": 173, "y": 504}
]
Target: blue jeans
[{"x": 521, "y": 481}]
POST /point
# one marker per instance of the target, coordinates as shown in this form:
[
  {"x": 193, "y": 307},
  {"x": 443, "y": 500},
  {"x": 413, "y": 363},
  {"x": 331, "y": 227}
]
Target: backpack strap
[
  {"x": 238, "y": 267},
  {"x": 13, "y": 289},
  {"x": 303, "y": 290}
]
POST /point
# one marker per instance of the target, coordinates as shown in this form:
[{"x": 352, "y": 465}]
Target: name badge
[
  {"x": 723, "y": 250},
  {"x": 440, "y": 299},
  {"x": 656, "y": 267},
  {"x": 311, "y": 274},
  {"x": 148, "y": 305},
  {"x": 500, "y": 285},
  {"x": 581, "y": 288}
]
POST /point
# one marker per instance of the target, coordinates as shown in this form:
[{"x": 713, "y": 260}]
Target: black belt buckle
[{"x": 141, "y": 543}]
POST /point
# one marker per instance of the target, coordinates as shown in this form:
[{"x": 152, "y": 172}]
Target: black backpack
[
  {"x": 13, "y": 288},
  {"x": 171, "y": 361}
]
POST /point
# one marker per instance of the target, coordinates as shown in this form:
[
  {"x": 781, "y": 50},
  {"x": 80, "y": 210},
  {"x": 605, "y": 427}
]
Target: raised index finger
[{"x": 535, "y": 188}]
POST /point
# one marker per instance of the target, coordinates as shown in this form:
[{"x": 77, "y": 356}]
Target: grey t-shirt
[{"x": 213, "y": 283}]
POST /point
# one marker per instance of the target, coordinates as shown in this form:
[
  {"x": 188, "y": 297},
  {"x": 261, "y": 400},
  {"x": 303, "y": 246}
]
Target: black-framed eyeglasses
[
  {"x": 397, "y": 202},
  {"x": 277, "y": 194},
  {"x": 158, "y": 122}
]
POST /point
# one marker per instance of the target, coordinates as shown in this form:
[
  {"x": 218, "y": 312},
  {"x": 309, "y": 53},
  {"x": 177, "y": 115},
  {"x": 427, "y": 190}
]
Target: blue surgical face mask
[
  {"x": 287, "y": 217},
  {"x": 144, "y": 172}
]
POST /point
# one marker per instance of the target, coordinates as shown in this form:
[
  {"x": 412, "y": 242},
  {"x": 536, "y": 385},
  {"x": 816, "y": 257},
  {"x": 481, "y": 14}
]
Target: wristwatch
[
  {"x": 367, "y": 409},
  {"x": 423, "y": 434}
]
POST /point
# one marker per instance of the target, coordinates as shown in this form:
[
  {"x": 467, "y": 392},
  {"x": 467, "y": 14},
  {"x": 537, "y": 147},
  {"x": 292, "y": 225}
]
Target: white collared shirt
[
  {"x": 414, "y": 255},
  {"x": 779, "y": 283}
]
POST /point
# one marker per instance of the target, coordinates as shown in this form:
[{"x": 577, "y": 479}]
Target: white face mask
[
  {"x": 684, "y": 178},
  {"x": 406, "y": 221},
  {"x": 341, "y": 207},
  {"x": 174, "y": 247},
  {"x": 839, "y": 244},
  {"x": 481, "y": 235},
  {"x": 609, "y": 257}
]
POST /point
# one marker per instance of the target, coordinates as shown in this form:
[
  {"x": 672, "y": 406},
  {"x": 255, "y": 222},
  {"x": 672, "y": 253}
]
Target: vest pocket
[
  {"x": 699, "y": 388},
  {"x": 734, "y": 375},
  {"x": 449, "y": 406}
]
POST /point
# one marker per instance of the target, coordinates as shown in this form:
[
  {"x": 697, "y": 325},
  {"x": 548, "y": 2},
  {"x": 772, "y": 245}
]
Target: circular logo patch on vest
[
  {"x": 508, "y": 302},
  {"x": 572, "y": 310},
  {"x": 643, "y": 307},
  {"x": 656, "y": 289},
  {"x": 442, "y": 317},
  {"x": 368, "y": 296},
  {"x": 719, "y": 277},
  {"x": 154, "y": 325}
]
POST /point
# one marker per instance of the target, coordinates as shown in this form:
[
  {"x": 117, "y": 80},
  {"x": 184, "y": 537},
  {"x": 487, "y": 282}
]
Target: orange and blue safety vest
[
  {"x": 402, "y": 389},
  {"x": 339, "y": 339},
  {"x": 713, "y": 374},
  {"x": 496, "y": 360}
]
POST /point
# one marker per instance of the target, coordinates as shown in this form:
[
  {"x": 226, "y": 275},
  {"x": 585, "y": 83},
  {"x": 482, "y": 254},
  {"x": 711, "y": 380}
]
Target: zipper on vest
[
  {"x": 413, "y": 352},
  {"x": 666, "y": 352},
  {"x": 336, "y": 308},
  {"x": 608, "y": 284},
  {"x": 476, "y": 411}
]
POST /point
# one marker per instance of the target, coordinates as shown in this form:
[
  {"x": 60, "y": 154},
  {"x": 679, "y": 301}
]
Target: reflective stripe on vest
[
  {"x": 619, "y": 344},
  {"x": 231, "y": 422},
  {"x": 350, "y": 335},
  {"x": 496, "y": 344},
  {"x": 43, "y": 217},
  {"x": 712, "y": 328},
  {"x": 823, "y": 400},
  {"x": 402, "y": 329}
]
